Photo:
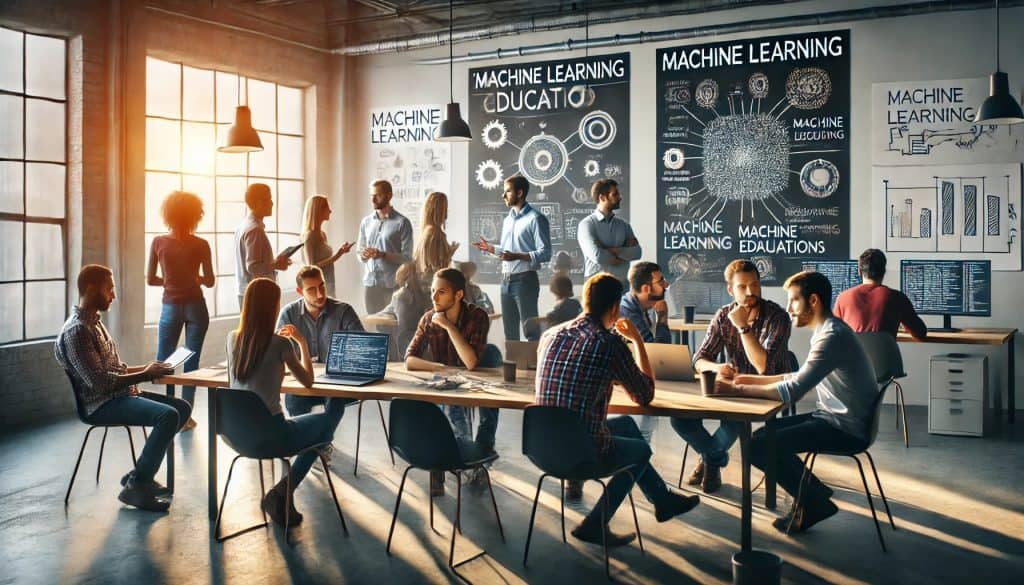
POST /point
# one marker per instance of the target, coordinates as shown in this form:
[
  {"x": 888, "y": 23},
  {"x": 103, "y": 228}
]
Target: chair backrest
[
  {"x": 794, "y": 364},
  {"x": 76, "y": 390},
  {"x": 246, "y": 424},
  {"x": 876, "y": 407},
  {"x": 556, "y": 441},
  {"x": 420, "y": 433},
  {"x": 884, "y": 354},
  {"x": 491, "y": 358}
]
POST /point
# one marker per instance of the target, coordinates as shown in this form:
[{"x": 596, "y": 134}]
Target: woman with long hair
[
  {"x": 433, "y": 250},
  {"x": 316, "y": 251},
  {"x": 257, "y": 356},
  {"x": 184, "y": 263}
]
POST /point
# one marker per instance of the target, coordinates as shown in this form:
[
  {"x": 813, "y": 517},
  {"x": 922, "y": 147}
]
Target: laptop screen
[{"x": 358, "y": 353}]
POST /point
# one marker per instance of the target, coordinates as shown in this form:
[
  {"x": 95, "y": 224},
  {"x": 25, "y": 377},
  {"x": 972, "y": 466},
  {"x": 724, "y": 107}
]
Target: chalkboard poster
[
  {"x": 753, "y": 154},
  {"x": 561, "y": 124}
]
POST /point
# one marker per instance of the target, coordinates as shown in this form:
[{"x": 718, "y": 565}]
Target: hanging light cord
[
  {"x": 997, "y": 36},
  {"x": 451, "y": 56}
]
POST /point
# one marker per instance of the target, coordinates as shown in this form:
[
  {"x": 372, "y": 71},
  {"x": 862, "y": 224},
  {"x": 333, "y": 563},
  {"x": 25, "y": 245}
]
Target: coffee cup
[
  {"x": 707, "y": 382},
  {"x": 688, "y": 314},
  {"x": 508, "y": 370}
]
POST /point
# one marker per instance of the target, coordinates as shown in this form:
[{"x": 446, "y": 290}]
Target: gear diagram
[
  {"x": 494, "y": 135},
  {"x": 591, "y": 168},
  {"x": 543, "y": 160},
  {"x": 489, "y": 174},
  {"x": 597, "y": 130}
]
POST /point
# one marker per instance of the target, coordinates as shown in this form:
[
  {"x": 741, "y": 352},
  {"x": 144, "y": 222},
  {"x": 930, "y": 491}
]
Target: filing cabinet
[{"x": 958, "y": 395}]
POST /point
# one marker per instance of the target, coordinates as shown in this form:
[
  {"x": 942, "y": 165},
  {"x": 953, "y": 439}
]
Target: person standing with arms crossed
[
  {"x": 385, "y": 243},
  {"x": 607, "y": 241}
]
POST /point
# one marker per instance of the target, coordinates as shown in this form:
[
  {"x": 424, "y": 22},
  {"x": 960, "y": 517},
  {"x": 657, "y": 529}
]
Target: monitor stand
[{"x": 947, "y": 326}]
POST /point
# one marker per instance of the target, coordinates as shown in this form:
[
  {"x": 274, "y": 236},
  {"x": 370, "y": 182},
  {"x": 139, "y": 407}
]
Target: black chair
[
  {"x": 421, "y": 434},
  {"x": 359, "y": 433},
  {"x": 555, "y": 440},
  {"x": 884, "y": 353},
  {"x": 241, "y": 418},
  {"x": 794, "y": 365},
  {"x": 872, "y": 428},
  {"x": 76, "y": 390}
]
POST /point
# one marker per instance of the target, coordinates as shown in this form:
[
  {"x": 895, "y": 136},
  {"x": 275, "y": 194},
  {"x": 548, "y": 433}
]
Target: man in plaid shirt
[{"x": 578, "y": 363}]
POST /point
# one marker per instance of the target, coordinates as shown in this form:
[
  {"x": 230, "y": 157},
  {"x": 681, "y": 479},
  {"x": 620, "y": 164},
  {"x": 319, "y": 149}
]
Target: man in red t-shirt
[{"x": 872, "y": 306}]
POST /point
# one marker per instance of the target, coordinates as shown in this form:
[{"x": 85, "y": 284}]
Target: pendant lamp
[
  {"x": 999, "y": 107},
  {"x": 453, "y": 128},
  {"x": 241, "y": 136}
]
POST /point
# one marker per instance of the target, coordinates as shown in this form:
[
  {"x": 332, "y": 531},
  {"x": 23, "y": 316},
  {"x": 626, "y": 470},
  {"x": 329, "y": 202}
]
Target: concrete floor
[{"x": 957, "y": 502}]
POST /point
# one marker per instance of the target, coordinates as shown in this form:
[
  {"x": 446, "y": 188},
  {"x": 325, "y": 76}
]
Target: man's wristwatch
[{"x": 743, "y": 330}]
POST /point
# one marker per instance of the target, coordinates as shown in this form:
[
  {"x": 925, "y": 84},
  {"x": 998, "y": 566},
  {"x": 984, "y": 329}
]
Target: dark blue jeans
[
  {"x": 799, "y": 434},
  {"x": 163, "y": 413},
  {"x": 303, "y": 431},
  {"x": 714, "y": 449},
  {"x": 195, "y": 319},
  {"x": 518, "y": 301},
  {"x": 485, "y": 431},
  {"x": 628, "y": 447}
]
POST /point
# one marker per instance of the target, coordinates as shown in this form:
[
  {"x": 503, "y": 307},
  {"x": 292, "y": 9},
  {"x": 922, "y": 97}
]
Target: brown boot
[
  {"x": 712, "y": 479},
  {"x": 697, "y": 477}
]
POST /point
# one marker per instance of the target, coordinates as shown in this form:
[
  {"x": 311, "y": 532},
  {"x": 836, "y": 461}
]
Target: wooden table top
[
  {"x": 678, "y": 324},
  {"x": 967, "y": 336},
  {"x": 379, "y": 319}
]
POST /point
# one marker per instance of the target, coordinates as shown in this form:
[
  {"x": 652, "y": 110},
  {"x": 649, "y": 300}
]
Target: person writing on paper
[
  {"x": 315, "y": 250},
  {"x": 385, "y": 243},
  {"x": 254, "y": 258},
  {"x": 106, "y": 389},
  {"x": 839, "y": 371},
  {"x": 872, "y": 306},
  {"x": 257, "y": 357}
]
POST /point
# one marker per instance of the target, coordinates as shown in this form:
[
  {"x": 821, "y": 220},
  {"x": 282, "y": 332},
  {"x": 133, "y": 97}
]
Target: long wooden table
[{"x": 679, "y": 399}]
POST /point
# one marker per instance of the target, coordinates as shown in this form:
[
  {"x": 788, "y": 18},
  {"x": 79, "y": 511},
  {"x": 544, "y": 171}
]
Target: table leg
[
  {"x": 170, "y": 449},
  {"x": 770, "y": 471},
  {"x": 746, "y": 510},
  {"x": 211, "y": 456},
  {"x": 1011, "y": 383}
]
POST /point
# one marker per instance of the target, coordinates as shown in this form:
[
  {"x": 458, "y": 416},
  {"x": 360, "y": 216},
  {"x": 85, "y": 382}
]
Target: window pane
[
  {"x": 11, "y": 184},
  {"x": 229, "y": 215},
  {"x": 44, "y": 66},
  {"x": 10, "y": 312},
  {"x": 44, "y": 251},
  {"x": 225, "y": 261},
  {"x": 11, "y": 63},
  {"x": 203, "y": 187},
  {"x": 231, "y": 189},
  {"x": 264, "y": 162},
  {"x": 163, "y": 88},
  {"x": 197, "y": 102},
  {"x": 158, "y": 186},
  {"x": 163, "y": 145},
  {"x": 289, "y": 110},
  {"x": 290, "y": 161},
  {"x": 208, "y": 296},
  {"x": 44, "y": 189},
  {"x": 198, "y": 148},
  {"x": 228, "y": 163},
  {"x": 11, "y": 120},
  {"x": 44, "y": 313},
  {"x": 44, "y": 136},
  {"x": 154, "y": 294},
  {"x": 289, "y": 209},
  {"x": 227, "y": 297},
  {"x": 10, "y": 250},
  {"x": 227, "y": 97},
  {"x": 263, "y": 103}
]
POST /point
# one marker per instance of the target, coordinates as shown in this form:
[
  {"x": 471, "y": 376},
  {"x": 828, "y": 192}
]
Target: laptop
[
  {"x": 670, "y": 361},
  {"x": 523, "y": 353},
  {"x": 355, "y": 358}
]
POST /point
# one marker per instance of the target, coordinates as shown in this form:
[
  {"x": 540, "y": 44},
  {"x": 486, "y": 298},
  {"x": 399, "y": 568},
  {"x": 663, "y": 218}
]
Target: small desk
[
  {"x": 671, "y": 399},
  {"x": 979, "y": 336}
]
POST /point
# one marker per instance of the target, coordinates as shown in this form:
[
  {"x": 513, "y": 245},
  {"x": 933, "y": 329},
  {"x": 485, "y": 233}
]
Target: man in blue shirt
[
  {"x": 525, "y": 245},
  {"x": 607, "y": 241},
  {"x": 645, "y": 304},
  {"x": 385, "y": 243}
]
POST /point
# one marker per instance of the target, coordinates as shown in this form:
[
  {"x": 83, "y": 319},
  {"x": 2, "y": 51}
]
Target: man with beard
[
  {"x": 839, "y": 370},
  {"x": 607, "y": 241},
  {"x": 525, "y": 245},
  {"x": 753, "y": 334},
  {"x": 317, "y": 317},
  {"x": 385, "y": 243}
]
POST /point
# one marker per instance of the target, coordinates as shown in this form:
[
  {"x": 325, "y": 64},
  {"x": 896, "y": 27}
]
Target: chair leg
[
  {"x": 682, "y": 466},
  {"x": 563, "y": 511},
  {"x": 287, "y": 500},
  {"x": 804, "y": 478},
  {"x": 131, "y": 445},
  {"x": 533, "y": 514},
  {"x": 359, "y": 434},
  {"x": 636, "y": 521},
  {"x": 494, "y": 501},
  {"x": 458, "y": 517},
  {"x": 880, "y": 492},
  {"x": 99, "y": 462},
  {"x": 871, "y": 504},
  {"x": 220, "y": 509},
  {"x": 398, "y": 501},
  {"x": 604, "y": 527},
  {"x": 263, "y": 489},
  {"x": 334, "y": 494},
  {"x": 903, "y": 414},
  {"x": 78, "y": 462},
  {"x": 145, "y": 435},
  {"x": 456, "y": 528},
  {"x": 387, "y": 437}
]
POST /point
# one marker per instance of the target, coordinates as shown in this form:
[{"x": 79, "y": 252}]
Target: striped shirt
[
  {"x": 578, "y": 362},
  {"x": 85, "y": 349},
  {"x": 473, "y": 323},
  {"x": 771, "y": 327}
]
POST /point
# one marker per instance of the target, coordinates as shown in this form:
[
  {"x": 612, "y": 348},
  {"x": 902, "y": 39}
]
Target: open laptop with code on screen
[{"x": 355, "y": 358}]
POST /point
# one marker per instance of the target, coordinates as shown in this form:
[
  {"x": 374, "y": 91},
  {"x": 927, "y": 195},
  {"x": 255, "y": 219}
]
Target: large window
[
  {"x": 188, "y": 113},
  {"x": 33, "y": 186}
]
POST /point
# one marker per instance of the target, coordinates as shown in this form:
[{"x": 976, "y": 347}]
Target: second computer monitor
[{"x": 948, "y": 287}]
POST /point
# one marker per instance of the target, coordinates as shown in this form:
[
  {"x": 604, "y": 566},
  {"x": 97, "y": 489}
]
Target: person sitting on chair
[
  {"x": 872, "y": 306},
  {"x": 566, "y": 308},
  {"x": 108, "y": 388},
  {"x": 839, "y": 370},
  {"x": 578, "y": 363}
]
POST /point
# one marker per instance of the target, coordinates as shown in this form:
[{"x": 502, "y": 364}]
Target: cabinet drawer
[
  {"x": 970, "y": 372},
  {"x": 964, "y": 417},
  {"x": 958, "y": 389}
]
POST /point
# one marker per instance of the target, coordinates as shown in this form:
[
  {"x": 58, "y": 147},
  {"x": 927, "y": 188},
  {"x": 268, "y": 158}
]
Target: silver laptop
[
  {"x": 523, "y": 353},
  {"x": 670, "y": 361},
  {"x": 355, "y": 358}
]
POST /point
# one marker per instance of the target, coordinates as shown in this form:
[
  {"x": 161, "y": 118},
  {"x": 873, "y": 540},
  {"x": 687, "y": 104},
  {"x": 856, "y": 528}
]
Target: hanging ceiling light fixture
[
  {"x": 453, "y": 128},
  {"x": 241, "y": 136},
  {"x": 999, "y": 107}
]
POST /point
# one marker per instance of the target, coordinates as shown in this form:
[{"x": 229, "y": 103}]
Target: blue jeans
[
  {"x": 647, "y": 424},
  {"x": 485, "y": 431},
  {"x": 628, "y": 447},
  {"x": 518, "y": 301},
  {"x": 163, "y": 413},
  {"x": 306, "y": 430},
  {"x": 714, "y": 449},
  {"x": 195, "y": 319}
]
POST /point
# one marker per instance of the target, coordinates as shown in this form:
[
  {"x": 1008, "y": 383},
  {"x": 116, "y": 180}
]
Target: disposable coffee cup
[
  {"x": 508, "y": 370},
  {"x": 707, "y": 382},
  {"x": 688, "y": 314}
]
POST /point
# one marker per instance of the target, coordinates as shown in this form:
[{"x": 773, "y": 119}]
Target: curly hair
[{"x": 182, "y": 211}]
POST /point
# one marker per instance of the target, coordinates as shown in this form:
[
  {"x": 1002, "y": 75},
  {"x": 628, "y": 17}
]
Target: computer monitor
[
  {"x": 948, "y": 287},
  {"x": 843, "y": 274},
  {"x": 705, "y": 297}
]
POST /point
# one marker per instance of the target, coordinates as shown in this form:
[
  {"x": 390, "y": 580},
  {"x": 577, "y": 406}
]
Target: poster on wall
[
  {"x": 932, "y": 122},
  {"x": 753, "y": 155},
  {"x": 561, "y": 124},
  {"x": 959, "y": 212},
  {"x": 403, "y": 152}
]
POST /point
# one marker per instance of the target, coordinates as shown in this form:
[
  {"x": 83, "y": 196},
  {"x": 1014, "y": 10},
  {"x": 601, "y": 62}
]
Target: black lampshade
[
  {"x": 241, "y": 136},
  {"x": 453, "y": 128},
  {"x": 999, "y": 107}
]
